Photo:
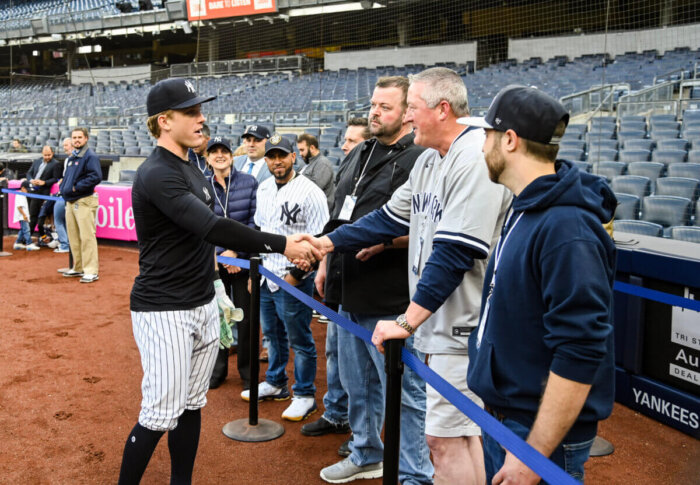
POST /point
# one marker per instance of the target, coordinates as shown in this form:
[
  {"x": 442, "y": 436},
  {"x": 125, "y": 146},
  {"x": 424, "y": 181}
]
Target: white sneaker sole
[{"x": 357, "y": 476}]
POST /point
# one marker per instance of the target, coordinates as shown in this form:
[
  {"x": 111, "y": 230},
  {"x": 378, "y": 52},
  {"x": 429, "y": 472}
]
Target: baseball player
[{"x": 177, "y": 299}]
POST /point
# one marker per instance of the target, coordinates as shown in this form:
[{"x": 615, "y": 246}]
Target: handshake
[{"x": 304, "y": 250}]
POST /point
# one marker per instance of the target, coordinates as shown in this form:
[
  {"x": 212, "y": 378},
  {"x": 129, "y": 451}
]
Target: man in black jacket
[
  {"x": 42, "y": 175},
  {"x": 373, "y": 170}
]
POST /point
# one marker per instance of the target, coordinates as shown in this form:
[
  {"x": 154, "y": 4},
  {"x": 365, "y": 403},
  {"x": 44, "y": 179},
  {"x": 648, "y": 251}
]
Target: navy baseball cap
[
  {"x": 529, "y": 112},
  {"x": 218, "y": 140},
  {"x": 173, "y": 93},
  {"x": 278, "y": 142},
  {"x": 258, "y": 131}
]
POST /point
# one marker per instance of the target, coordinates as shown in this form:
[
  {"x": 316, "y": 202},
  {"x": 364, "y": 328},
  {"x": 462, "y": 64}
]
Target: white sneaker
[
  {"x": 53, "y": 244},
  {"x": 301, "y": 408},
  {"x": 89, "y": 278},
  {"x": 32, "y": 247},
  {"x": 19, "y": 246},
  {"x": 59, "y": 250},
  {"x": 268, "y": 392},
  {"x": 346, "y": 471}
]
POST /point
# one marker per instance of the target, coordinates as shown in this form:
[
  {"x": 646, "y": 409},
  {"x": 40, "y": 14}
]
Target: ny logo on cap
[
  {"x": 275, "y": 139},
  {"x": 217, "y": 139},
  {"x": 189, "y": 86},
  {"x": 252, "y": 128}
]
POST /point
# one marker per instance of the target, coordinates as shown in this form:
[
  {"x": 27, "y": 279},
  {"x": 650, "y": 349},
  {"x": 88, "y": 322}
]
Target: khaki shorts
[{"x": 443, "y": 419}]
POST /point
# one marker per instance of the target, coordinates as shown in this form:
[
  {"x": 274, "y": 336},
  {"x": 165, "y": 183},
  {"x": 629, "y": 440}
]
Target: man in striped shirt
[{"x": 288, "y": 203}]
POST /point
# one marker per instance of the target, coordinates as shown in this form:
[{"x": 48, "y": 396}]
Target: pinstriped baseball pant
[{"x": 178, "y": 351}]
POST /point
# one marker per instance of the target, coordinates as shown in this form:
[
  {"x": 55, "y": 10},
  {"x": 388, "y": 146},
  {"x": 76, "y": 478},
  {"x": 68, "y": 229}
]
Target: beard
[
  {"x": 282, "y": 175},
  {"x": 495, "y": 163},
  {"x": 384, "y": 130}
]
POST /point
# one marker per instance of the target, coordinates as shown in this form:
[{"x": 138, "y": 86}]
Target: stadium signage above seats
[{"x": 215, "y": 9}]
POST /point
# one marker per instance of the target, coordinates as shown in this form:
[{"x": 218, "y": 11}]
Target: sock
[
  {"x": 182, "y": 443},
  {"x": 137, "y": 452}
]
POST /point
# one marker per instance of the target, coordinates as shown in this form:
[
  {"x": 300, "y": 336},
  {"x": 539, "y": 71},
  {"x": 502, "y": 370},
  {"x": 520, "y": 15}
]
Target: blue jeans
[
  {"x": 23, "y": 235},
  {"x": 287, "y": 322},
  {"x": 569, "y": 456},
  {"x": 59, "y": 220},
  {"x": 335, "y": 401},
  {"x": 363, "y": 377}
]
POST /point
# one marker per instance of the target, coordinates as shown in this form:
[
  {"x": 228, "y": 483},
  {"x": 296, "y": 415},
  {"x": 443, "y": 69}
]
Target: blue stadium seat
[
  {"x": 663, "y": 134},
  {"x": 689, "y": 170},
  {"x": 627, "y": 206},
  {"x": 639, "y": 144},
  {"x": 572, "y": 154},
  {"x": 678, "y": 186},
  {"x": 672, "y": 144},
  {"x": 642, "y": 228},
  {"x": 633, "y": 125},
  {"x": 661, "y": 118},
  {"x": 694, "y": 156},
  {"x": 609, "y": 169},
  {"x": 666, "y": 210},
  {"x": 336, "y": 152},
  {"x": 686, "y": 233},
  {"x": 127, "y": 175},
  {"x": 601, "y": 132},
  {"x": 596, "y": 154},
  {"x": 668, "y": 156},
  {"x": 606, "y": 144},
  {"x": 632, "y": 184},
  {"x": 629, "y": 156},
  {"x": 575, "y": 144},
  {"x": 582, "y": 166},
  {"x": 646, "y": 169}
]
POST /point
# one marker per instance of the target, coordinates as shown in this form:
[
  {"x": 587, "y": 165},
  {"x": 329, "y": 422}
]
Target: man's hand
[
  {"x": 227, "y": 310},
  {"x": 516, "y": 472},
  {"x": 229, "y": 267},
  {"x": 366, "y": 253},
  {"x": 320, "y": 279},
  {"x": 37, "y": 182},
  {"x": 301, "y": 252},
  {"x": 387, "y": 330}
]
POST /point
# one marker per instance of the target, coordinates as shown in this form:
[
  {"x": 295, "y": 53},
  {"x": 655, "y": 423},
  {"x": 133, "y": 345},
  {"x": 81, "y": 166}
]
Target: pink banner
[{"x": 115, "y": 216}]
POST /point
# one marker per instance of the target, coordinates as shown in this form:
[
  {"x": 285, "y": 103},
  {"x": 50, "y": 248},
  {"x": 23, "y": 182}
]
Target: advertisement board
[{"x": 216, "y": 9}]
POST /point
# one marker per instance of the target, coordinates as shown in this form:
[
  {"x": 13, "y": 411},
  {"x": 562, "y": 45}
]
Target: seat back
[
  {"x": 627, "y": 206},
  {"x": 666, "y": 210},
  {"x": 632, "y": 184},
  {"x": 638, "y": 227}
]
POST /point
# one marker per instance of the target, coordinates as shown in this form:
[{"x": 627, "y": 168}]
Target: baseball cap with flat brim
[
  {"x": 174, "y": 93},
  {"x": 278, "y": 142},
  {"x": 219, "y": 141},
  {"x": 529, "y": 112}
]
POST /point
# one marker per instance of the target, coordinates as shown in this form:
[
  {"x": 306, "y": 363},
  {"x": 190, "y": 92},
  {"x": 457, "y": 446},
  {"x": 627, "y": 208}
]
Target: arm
[
  {"x": 92, "y": 174},
  {"x": 443, "y": 272},
  {"x": 561, "y": 404},
  {"x": 377, "y": 226},
  {"x": 366, "y": 253}
]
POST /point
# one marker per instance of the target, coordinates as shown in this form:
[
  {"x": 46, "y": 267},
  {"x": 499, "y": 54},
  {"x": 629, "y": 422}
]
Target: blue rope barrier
[
  {"x": 655, "y": 295},
  {"x": 540, "y": 464},
  {"x": 30, "y": 195}
]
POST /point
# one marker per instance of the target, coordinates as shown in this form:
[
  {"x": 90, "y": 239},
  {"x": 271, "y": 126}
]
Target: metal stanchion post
[
  {"x": 254, "y": 429},
  {"x": 2, "y": 225},
  {"x": 392, "y": 423}
]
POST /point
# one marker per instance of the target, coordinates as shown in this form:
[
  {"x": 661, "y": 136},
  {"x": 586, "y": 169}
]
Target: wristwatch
[{"x": 401, "y": 322}]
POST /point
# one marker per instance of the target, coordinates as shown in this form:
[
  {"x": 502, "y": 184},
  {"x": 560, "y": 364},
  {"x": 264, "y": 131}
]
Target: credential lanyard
[
  {"x": 497, "y": 258},
  {"x": 228, "y": 187}
]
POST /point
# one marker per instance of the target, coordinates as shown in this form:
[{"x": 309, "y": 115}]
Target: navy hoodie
[
  {"x": 551, "y": 307},
  {"x": 82, "y": 174}
]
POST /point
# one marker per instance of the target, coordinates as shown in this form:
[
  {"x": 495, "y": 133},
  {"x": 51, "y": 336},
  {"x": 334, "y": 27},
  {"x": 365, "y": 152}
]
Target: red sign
[{"x": 216, "y": 9}]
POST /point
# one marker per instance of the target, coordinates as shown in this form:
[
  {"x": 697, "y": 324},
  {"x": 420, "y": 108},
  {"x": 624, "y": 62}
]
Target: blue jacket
[
  {"x": 551, "y": 307},
  {"x": 83, "y": 173},
  {"x": 241, "y": 200}
]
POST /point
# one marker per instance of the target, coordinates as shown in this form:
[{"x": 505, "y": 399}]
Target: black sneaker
[
  {"x": 344, "y": 449},
  {"x": 322, "y": 426}
]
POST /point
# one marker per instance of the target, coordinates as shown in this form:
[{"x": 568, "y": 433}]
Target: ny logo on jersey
[
  {"x": 291, "y": 215},
  {"x": 189, "y": 86}
]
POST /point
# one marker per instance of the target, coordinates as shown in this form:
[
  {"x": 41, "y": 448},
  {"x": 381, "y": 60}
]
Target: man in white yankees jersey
[
  {"x": 177, "y": 297},
  {"x": 288, "y": 203}
]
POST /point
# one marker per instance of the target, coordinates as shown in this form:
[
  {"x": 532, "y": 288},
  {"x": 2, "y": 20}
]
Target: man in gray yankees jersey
[
  {"x": 453, "y": 214},
  {"x": 288, "y": 203}
]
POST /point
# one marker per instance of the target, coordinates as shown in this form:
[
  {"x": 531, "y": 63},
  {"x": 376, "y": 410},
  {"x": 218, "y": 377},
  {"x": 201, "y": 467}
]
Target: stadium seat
[
  {"x": 627, "y": 206},
  {"x": 694, "y": 156},
  {"x": 572, "y": 154},
  {"x": 605, "y": 144},
  {"x": 623, "y": 136},
  {"x": 672, "y": 144},
  {"x": 633, "y": 125},
  {"x": 678, "y": 186},
  {"x": 601, "y": 132},
  {"x": 661, "y": 118},
  {"x": 639, "y": 144},
  {"x": 642, "y": 228},
  {"x": 646, "y": 169},
  {"x": 336, "y": 152},
  {"x": 596, "y": 154},
  {"x": 127, "y": 175},
  {"x": 632, "y": 184},
  {"x": 132, "y": 150},
  {"x": 628, "y": 156},
  {"x": 663, "y": 134},
  {"x": 666, "y": 210},
  {"x": 575, "y": 131},
  {"x": 686, "y": 233},
  {"x": 575, "y": 144},
  {"x": 608, "y": 169},
  {"x": 689, "y": 170},
  {"x": 582, "y": 166},
  {"x": 668, "y": 156}
]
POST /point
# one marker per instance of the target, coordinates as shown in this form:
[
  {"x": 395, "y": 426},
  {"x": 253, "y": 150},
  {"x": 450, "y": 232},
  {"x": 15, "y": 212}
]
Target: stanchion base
[
  {"x": 601, "y": 447},
  {"x": 5, "y": 253},
  {"x": 241, "y": 430}
]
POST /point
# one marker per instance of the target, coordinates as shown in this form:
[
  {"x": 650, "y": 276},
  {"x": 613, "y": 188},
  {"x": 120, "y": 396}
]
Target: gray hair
[{"x": 443, "y": 84}]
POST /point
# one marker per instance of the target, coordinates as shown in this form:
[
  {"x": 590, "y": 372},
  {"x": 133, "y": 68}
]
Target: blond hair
[{"x": 152, "y": 122}]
